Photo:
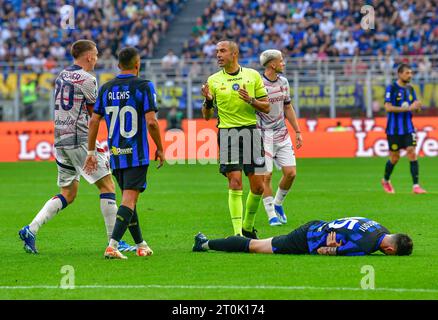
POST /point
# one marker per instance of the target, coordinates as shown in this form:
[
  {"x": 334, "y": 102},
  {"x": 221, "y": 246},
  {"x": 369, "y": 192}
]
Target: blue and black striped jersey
[
  {"x": 359, "y": 236},
  {"x": 123, "y": 102},
  {"x": 399, "y": 123}
]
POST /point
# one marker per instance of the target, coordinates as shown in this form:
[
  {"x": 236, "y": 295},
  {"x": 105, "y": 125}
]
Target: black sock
[
  {"x": 230, "y": 244},
  {"x": 414, "y": 171},
  {"x": 124, "y": 215},
  {"x": 388, "y": 169},
  {"x": 134, "y": 228}
]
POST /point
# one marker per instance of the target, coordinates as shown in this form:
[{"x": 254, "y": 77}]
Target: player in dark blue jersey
[
  {"x": 400, "y": 102},
  {"x": 355, "y": 236},
  {"x": 128, "y": 105}
]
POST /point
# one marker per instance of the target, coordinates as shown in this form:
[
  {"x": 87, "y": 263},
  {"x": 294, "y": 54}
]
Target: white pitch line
[{"x": 215, "y": 287}]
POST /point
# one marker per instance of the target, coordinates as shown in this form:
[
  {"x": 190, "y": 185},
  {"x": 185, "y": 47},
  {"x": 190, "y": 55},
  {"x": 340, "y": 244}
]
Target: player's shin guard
[
  {"x": 134, "y": 228},
  {"x": 50, "y": 209},
  {"x": 230, "y": 244},
  {"x": 252, "y": 204},
  {"x": 108, "y": 207},
  {"x": 236, "y": 209},
  {"x": 414, "y": 171},
  {"x": 124, "y": 216},
  {"x": 388, "y": 170}
]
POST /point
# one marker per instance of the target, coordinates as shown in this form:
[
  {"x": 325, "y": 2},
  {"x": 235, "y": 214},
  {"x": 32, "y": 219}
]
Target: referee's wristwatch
[{"x": 251, "y": 101}]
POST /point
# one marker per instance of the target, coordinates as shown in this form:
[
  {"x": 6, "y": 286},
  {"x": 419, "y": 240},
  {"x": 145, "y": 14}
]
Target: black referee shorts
[
  {"x": 294, "y": 242},
  {"x": 131, "y": 178},
  {"x": 241, "y": 149}
]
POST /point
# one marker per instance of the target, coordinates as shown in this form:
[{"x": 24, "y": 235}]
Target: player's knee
[
  {"x": 268, "y": 177},
  {"x": 394, "y": 158},
  {"x": 258, "y": 188},
  {"x": 290, "y": 174},
  {"x": 235, "y": 184}
]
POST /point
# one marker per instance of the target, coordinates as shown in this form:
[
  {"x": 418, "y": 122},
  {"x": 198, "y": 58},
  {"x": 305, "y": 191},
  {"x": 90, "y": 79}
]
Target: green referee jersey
[{"x": 232, "y": 110}]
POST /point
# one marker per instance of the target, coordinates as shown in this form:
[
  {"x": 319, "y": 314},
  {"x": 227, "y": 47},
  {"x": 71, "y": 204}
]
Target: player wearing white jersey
[
  {"x": 75, "y": 95},
  {"x": 277, "y": 142}
]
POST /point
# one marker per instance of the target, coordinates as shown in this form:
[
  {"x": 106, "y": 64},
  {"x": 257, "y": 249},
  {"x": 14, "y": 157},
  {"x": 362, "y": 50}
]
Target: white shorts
[
  {"x": 71, "y": 161},
  {"x": 281, "y": 153}
]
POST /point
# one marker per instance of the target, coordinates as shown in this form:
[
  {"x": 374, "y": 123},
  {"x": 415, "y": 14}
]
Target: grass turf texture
[{"x": 184, "y": 199}]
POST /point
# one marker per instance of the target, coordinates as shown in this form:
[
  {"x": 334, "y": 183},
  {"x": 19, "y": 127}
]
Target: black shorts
[
  {"x": 241, "y": 149},
  {"x": 397, "y": 142},
  {"x": 131, "y": 178},
  {"x": 294, "y": 242}
]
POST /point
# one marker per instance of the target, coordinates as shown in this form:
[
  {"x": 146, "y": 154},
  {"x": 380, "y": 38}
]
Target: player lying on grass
[{"x": 354, "y": 236}]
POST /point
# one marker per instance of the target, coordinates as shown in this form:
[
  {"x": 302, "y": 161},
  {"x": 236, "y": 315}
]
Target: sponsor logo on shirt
[{"x": 119, "y": 151}]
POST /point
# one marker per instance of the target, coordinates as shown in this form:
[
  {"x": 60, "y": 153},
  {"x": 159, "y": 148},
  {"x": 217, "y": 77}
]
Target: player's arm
[
  {"x": 89, "y": 89},
  {"x": 260, "y": 104},
  {"x": 291, "y": 117},
  {"x": 154, "y": 131},
  {"x": 150, "y": 108},
  {"x": 348, "y": 248},
  {"x": 416, "y": 105},
  {"x": 90, "y": 164},
  {"x": 208, "y": 105},
  {"x": 389, "y": 107}
]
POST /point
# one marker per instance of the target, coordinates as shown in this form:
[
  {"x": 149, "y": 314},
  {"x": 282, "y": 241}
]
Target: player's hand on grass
[
  {"x": 299, "y": 140},
  {"x": 159, "y": 155},
  {"x": 205, "y": 90},
  {"x": 90, "y": 164},
  {"x": 331, "y": 240}
]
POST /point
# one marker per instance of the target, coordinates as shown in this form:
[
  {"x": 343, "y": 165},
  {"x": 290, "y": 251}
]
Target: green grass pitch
[{"x": 184, "y": 199}]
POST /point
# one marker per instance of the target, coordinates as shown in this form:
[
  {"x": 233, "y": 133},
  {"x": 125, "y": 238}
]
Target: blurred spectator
[
  {"x": 29, "y": 29},
  {"x": 296, "y": 26},
  {"x": 28, "y": 97},
  {"x": 169, "y": 63},
  {"x": 174, "y": 119}
]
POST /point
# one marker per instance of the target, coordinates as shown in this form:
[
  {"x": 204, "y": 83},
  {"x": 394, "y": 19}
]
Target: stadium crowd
[
  {"x": 30, "y": 30},
  {"x": 318, "y": 29}
]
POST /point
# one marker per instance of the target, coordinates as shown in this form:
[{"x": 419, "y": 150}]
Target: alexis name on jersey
[{"x": 118, "y": 95}]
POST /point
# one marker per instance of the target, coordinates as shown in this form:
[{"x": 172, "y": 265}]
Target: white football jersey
[
  {"x": 278, "y": 95},
  {"x": 74, "y": 90}
]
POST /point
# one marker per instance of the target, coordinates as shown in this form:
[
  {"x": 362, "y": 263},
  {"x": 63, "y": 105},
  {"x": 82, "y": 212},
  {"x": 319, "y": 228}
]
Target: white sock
[
  {"x": 269, "y": 207},
  {"x": 113, "y": 243},
  {"x": 279, "y": 196},
  {"x": 50, "y": 209},
  {"x": 205, "y": 245},
  {"x": 108, "y": 207}
]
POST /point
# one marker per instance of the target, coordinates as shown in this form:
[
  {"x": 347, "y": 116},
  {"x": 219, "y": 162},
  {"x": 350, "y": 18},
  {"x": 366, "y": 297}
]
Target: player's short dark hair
[
  {"x": 79, "y": 47},
  {"x": 404, "y": 66},
  {"x": 128, "y": 57},
  {"x": 403, "y": 244}
]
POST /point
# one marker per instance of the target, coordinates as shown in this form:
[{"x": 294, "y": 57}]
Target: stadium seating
[
  {"x": 318, "y": 29},
  {"x": 30, "y": 30}
]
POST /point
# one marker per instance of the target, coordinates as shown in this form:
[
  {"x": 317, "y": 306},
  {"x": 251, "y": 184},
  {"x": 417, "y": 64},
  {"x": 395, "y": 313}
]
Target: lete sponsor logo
[
  {"x": 42, "y": 150},
  {"x": 427, "y": 146}
]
